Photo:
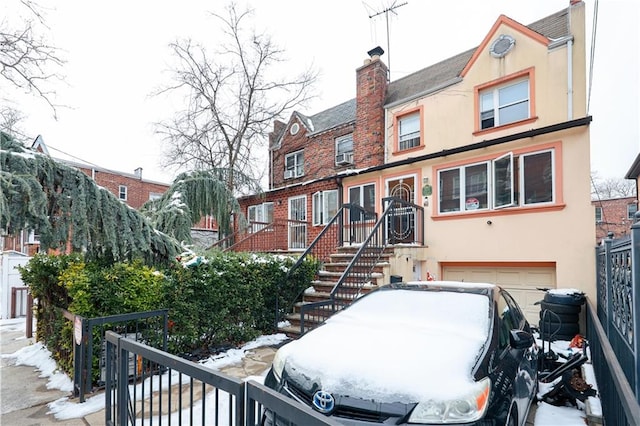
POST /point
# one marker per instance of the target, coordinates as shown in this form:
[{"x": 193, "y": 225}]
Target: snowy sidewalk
[{"x": 33, "y": 393}]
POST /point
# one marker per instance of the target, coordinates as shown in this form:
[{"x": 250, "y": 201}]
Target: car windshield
[
  {"x": 462, "y": 313},
  {"x": 437, "y": 335}
]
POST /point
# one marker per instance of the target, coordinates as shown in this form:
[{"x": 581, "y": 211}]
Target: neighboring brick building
[
  {"x": 614, "y": 215},
  {"x": 309, "y": 154}
]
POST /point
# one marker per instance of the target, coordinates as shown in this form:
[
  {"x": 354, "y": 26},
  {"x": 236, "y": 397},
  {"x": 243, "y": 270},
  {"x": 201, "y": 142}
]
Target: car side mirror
[{"x": 519, "y": 339}]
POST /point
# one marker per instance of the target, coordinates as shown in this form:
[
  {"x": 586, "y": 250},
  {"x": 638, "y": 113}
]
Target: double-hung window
[
  {"x": 506, "y": 181},
  {"x": 409, "y": 131},
  {"x": 260, "y": 215},
  {"x": 294, "y": 165},
  {"x": 598, "y": 214},
  {"x": 344, "y": 150},
  {"x": 632, "y": 208},
  {"x": 365, "y": 197},
  {"x": 325, "y": 206},
  {"x": 122, "y": 192},
  {"x": 504, "y": 104}
]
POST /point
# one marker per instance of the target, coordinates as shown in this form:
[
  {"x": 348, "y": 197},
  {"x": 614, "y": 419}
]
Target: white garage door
[{"x": 520, "y": 282}]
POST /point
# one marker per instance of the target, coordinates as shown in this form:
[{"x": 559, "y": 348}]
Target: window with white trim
[
  {"x": 506, "y": 181},
  {"x": 260, "y": 215},
  {"x": 294, "y": 165},
  {"x": 122, "y": 192},
  {"x": 598, "y": 214},
  {"x": 409, "y": 131},
  {"x": 504, "y": 104},
  {"x": 325, "y": 206},
  {"x": 632, "y": 208},
  {"x": 365, "y": 197},
  {"x": 344, "y": 149}
]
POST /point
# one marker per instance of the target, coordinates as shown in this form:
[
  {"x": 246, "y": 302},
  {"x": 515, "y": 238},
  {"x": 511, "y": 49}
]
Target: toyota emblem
[{"x": 323, "y": 402}]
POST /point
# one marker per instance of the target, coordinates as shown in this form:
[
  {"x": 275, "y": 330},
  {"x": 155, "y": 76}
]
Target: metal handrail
[{"x": 352, "y": 282}]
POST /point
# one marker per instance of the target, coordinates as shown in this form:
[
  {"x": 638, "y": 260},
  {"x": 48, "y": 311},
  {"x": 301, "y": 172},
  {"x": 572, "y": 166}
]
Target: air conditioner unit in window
[
  {"x": 288, "y": 174},
  {"x": 344, "y": 158}
]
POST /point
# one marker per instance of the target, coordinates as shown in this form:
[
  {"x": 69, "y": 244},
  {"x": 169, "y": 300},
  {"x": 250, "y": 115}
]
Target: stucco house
[{"x": 485, "y": 156}]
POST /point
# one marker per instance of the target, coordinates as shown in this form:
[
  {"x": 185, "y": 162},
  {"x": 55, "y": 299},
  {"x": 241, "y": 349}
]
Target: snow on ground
[{"x": 38, "y": 356}]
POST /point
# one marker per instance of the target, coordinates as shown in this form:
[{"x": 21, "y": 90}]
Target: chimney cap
[{"x": 376, "y": 51}]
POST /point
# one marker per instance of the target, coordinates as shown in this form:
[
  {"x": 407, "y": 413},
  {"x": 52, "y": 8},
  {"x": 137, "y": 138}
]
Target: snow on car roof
[{"x": 397, "y": 345}]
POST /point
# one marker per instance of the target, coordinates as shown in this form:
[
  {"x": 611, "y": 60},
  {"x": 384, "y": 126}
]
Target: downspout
[
  {"x": 570, "y": 79},
  {"x": 386, "y": 152}
]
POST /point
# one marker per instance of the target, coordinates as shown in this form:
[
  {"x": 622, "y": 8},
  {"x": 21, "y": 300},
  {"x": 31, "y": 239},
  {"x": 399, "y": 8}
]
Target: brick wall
[
  {"x": 320, "y": 149},
  {"x": 280, "y": 200},
  {"x": 371, "y": 91},
  {"x": 614, "y": 217},
  {"x": 138, "y": 190}
]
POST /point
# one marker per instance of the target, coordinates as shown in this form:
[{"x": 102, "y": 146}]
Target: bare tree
[
  {"x": 27, "y": 61},
  {"x": 10, "y": 119},
  {"x": 606, "y": 189},
  {"x": 232, "y": 100}
]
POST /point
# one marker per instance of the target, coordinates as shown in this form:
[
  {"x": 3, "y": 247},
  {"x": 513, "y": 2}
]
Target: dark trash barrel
[
  {"x": 560, "y": 315},
  {"x": 396, "y": 279}
]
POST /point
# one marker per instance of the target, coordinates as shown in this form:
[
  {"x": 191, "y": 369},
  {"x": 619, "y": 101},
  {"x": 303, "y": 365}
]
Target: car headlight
[
  {"x": 279, "y": 361},
  {"x": 467, "y": 408}
]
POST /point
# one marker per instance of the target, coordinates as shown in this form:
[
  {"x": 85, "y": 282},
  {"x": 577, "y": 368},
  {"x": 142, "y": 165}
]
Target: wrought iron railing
[
  {"x": 162, "y": 388},
  {"x": 401, "y": 222},
  {"x": 617, "y": 400},
  {"x": 618, "y": 303},
  {"x": 348, "y": 224}
]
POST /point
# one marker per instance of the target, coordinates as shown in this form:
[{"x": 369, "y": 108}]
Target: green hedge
[
  {"x": 230, "y": 298},
  {"x": 222, "y": 300}
]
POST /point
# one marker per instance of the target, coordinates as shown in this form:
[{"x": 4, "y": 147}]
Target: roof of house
[
  {"x": 553, "y": 27},
  {"x": 634, "y": 171}
]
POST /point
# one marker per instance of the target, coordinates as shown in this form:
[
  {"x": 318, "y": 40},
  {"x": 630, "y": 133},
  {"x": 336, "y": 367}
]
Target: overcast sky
[{"x": 117, "y": 54}]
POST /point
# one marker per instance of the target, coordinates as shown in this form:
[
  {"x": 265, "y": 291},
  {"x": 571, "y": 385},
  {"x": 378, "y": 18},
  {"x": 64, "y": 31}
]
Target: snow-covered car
[{"x": 431, "y": 352}]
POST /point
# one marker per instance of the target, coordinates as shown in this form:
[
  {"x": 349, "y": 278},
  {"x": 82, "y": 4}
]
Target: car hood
[{"x": 368, "y": 357}]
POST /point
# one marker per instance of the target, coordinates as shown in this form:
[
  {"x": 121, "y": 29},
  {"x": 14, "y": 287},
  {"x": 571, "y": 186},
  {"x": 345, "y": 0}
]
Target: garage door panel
[{"x": 522, "y": 283}]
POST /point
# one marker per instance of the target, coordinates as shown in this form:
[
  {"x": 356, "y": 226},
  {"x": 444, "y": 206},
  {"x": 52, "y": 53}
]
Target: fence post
[
  {"x": 635, "y": 283},
  {"x": 29, "y": 321},
  {"x": 607, "y": 285}
]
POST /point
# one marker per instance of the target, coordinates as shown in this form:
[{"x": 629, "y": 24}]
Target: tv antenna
[{"x": 386, "y": 11}]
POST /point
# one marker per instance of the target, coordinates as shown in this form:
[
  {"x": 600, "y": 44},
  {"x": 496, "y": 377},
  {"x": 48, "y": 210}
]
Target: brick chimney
[{"x": 371, "y": 91}]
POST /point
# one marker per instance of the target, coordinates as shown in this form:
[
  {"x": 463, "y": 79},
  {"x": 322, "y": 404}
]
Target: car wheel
[{"x": 560, "y": 308}]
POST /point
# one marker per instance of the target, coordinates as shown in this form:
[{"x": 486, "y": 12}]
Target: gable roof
[
  {"x": 434, "y": 77},
  {"x": 451, "y": 70},
  {"x": 338, "y": 115}
]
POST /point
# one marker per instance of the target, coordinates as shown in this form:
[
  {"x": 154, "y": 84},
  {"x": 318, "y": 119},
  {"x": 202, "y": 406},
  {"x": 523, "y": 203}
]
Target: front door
[
  {"x": 401, "y": 223},
  {"x": 298, "y": 222}
]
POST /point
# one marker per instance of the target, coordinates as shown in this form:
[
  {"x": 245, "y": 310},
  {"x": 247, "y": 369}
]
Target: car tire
[
  {"x": 566, "y": 329},
  {"x": 575, "y": 299},
  {"x": 549, "y": 315},
  {"x": 560, "y": 308}
]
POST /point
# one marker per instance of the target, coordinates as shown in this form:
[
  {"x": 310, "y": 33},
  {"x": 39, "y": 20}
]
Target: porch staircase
[{"x": 319, "y": 297}]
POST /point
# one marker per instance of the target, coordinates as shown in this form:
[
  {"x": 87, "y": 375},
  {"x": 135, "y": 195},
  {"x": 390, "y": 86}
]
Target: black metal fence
[
  {"x": 166, "y": 389},
  {"x": 619, "y": 405},
  {"x": 613, "y": 326},
  {"x": 150, "y": 327},
  {"x": 618, "y": 284}
]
